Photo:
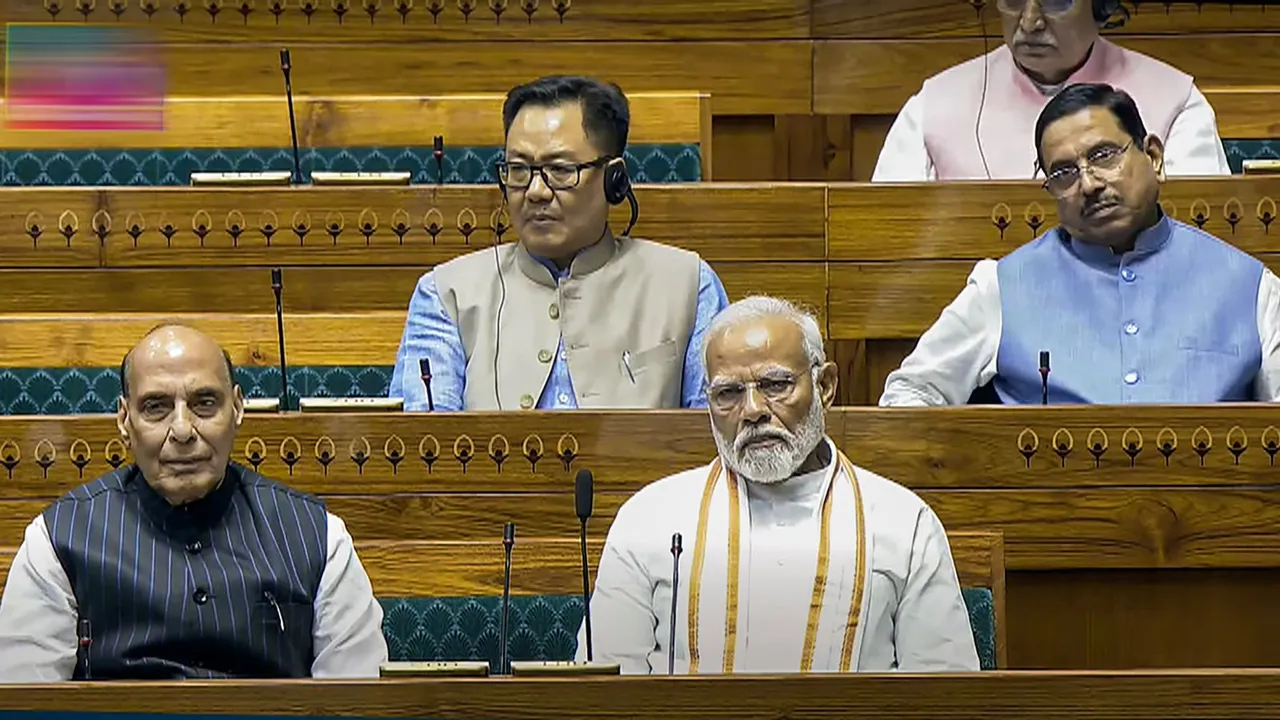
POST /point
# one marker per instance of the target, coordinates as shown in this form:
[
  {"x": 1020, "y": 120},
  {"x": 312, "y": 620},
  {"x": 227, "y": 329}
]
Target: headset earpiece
[
  {"x": 1104, "y": 9},
  {"x": 617, "y": 182}
]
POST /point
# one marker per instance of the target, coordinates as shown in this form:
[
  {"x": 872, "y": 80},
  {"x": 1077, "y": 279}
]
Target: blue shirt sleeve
[
  {"x": 429, "y": 332},
  {"x": 711, "y": 300}
]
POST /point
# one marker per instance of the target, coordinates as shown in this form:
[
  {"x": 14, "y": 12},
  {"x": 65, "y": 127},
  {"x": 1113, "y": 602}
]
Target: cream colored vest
[{"x": 622, "y": 296}]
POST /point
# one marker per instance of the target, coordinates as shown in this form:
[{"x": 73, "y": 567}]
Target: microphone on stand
[
  {"x": 508, "y": 542},
  {"x": 84, "y": 641},
  {"x": 677, "y": 547},
  {"x": 286, "y": 66},
  {"x": 437, "y": 152},
  {"x": 424, "y": 368},
  {"x": 1044, "y": 377},
  {"x": 277, "y": 287},
  {"x": 583, "y": 490}
]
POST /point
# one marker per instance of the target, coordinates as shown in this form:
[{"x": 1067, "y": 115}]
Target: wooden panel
[
  {"x": 875, "y": 77},
  {"x": 582, "y": 20},
  {"x": 742, "y": 77},
  {"x": 1113, "y": 619},
  {"x": 945, "y": 221},
  {"x": 544, "y": 566},
  {"x": 355, "y": 121},
  {"x": 744, "y": 147},
  {"x": 340, "y": 290},
  {"x": 719, "y": 221},
  {"x": 1135, "y": 695},
  {"x": 1247, "y": 112},
  {"x": 891, "y": 301},
  {"x": 102, "y": 340},
  {"x": 957, "y": 18}
]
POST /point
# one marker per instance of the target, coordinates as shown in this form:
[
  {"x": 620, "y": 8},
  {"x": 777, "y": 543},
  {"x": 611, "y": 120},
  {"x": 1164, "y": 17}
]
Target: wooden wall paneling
[
  {"x": 743, "y": 77},
  {"x": 895, "y": 19},
  {"x": 869, "y": 133},
  {"x": 581, "y": 20},
  {"x": 359, "y": 121},
  {"x": 813, "y": 147},
  {"x": 744, "y": 148},
  {"x": 720, "y": 221},
  {"x": 883, "y": 357},
  {"x": 875, "y": 77}
]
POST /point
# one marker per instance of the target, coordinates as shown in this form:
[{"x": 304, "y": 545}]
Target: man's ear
[
  {"x": 237, "y": 404},
  {"x": 1155, "y": 153},
  {"x": 122, "y": 420},
  {"x": 828, "y": 380}
]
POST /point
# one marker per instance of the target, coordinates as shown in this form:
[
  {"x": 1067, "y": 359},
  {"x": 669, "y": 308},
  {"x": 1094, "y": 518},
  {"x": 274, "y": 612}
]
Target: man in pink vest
[{"x": 974, "y": 121}]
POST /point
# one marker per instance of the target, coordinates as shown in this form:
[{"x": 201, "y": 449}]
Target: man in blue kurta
[{"x": 1132, "y": 306}]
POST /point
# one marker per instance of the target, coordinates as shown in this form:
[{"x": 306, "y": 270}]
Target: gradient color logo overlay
[{"x": 82, "y": 77}]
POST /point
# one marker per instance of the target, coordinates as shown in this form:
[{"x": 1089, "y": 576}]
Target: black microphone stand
[
  {"x": 677, "y": 547},
  {"x": 508, "y": 542},
  {"x": 286, "y": 66},
  {"x": 424, "y": 368},
  {"x": 1044, "y": 377},
  {"x": 277, "y": 287}
]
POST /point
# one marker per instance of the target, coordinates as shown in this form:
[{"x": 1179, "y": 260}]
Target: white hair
[{"x": 762, "y": 306}]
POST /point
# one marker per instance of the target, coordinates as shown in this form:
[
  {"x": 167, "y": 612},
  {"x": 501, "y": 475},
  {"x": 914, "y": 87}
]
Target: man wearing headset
[
  {"x": 973, "y": 121},
  {"x": 572, "y": 315}
]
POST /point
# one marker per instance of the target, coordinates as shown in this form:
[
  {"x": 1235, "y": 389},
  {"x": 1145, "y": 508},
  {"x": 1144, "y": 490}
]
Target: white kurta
[
  {"x": 916, "y": 619},
  {"x": 38, "y": 614}
]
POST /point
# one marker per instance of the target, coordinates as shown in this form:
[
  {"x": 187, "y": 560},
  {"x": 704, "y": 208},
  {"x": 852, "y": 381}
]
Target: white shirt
[
  {"x": 957, "y": 355},
  {"x": 918, "y": 620},
  {"x": 1192, "y": 148},
  {"x": 38, "y": 614}
]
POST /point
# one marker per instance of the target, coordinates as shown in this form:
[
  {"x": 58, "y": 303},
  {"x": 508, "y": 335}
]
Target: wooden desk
[
  {"x": 1109, "y": 565},
  {"x": 1200, "y": 694}
]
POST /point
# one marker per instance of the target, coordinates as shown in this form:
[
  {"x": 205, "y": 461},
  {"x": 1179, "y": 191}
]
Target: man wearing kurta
[
  {"x": 571, "y": 315},
  {"x": 974, "y": 121},
  {"x": 795, "y": 559},
  {"x": 185, "y": 564},
  {"x": 1132, "y": 305}
]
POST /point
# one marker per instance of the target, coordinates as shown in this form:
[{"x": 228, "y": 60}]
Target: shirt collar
[
  {"x": 193, "y": 517},
  {"x": 588, "y": 260},
  {"x": 1148, "y": 242}
]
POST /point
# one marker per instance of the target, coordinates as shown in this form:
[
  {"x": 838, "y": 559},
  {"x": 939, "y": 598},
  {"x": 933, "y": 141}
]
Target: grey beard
[{"x": 770, "y": 465}]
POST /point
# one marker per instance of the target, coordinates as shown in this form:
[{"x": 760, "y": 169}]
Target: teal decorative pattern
[
  {"x": 1240, "y": 150},
  {"x": 76, "y": 391},
  {"x": 669, "y": 163},
  {"x": 545, "y": 627}
]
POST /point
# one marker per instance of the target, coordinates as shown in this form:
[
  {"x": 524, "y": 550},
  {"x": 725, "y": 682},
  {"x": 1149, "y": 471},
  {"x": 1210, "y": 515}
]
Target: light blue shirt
[{"x": 429, "y": 332}]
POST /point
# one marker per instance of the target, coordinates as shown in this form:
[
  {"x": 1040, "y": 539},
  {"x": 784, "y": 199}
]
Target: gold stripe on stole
[
  {"x": 855, "y": 606},
  {"x": 699, "y": 559},
  {"x": 731, "y": 592},
  {"x": 819, "y": 580}
]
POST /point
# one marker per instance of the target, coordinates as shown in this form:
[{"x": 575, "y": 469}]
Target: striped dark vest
[{"x": 223, "y": 587}]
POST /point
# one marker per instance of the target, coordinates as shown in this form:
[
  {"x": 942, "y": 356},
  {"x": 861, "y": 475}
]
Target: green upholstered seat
[
  {"x": 172, "y": 167},
  {"x": 545, "y": 627},
  {"x": 76, "y": 391}
]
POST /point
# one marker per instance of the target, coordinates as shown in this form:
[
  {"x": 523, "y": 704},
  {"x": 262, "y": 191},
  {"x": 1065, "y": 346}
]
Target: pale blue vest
[{"x": 1173, "y": 321}]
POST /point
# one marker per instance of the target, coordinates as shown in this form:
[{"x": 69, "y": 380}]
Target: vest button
[
  {"x": 201, "y": 596},
  {"x": 544, "y": 356},
  {"x": 1131, "y": 377},
  {"x": 526, "y": 401},
  {"x": 1131, "y": 328},
  {"x": 554, "y": 311},
  {"x": 1128, "y": 275},
  {"x": 194, "y": 547}
]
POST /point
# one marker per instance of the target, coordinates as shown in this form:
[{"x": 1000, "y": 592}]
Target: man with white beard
[{"x": 795, "y": 559}]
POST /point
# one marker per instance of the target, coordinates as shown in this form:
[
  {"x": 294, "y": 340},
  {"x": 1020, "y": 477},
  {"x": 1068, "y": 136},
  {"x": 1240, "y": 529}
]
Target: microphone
[
  {"x": 277, "y": 286},
  {"x": 677, "y": 547},
  {"x": 1044, "y": 377},
  {"x": 286, "y": 66},
  {"x": 83, "y": 642},
  {"x": 437, "y": 152},
  {"x": 424, "y": 367},
  {"x": 508, "y": 542},
  {"x": 583, "y": 490}
]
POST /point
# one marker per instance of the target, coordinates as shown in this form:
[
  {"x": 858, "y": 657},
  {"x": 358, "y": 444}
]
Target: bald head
[{"x": 173, "y": 342}]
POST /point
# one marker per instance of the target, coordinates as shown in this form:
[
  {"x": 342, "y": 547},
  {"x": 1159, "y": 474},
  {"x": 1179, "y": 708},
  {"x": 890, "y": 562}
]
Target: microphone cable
[{"x": 979, "y": 6}]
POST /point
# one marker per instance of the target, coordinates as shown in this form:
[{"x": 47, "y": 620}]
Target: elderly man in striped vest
[{"x": 186, "y": 565}]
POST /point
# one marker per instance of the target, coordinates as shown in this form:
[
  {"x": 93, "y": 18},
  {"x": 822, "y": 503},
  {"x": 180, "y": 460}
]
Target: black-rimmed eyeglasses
[{"x": 556, "y": 175}]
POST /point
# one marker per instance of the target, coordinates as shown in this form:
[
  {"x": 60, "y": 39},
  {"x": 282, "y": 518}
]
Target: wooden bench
[
  {"x": 261, "y": 121},
  {"x": 1180, "y": 556}
]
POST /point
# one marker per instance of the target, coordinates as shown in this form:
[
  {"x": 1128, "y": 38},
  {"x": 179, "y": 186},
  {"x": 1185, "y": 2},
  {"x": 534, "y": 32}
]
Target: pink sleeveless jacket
[{"x": 951, "y": 99}]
